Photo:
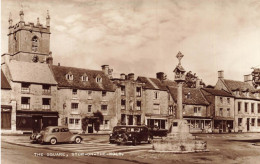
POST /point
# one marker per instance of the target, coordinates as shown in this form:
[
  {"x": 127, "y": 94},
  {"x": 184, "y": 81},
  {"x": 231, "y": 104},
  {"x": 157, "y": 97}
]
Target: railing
[
  {"x": 138, "y": 108},
  {"x": 138, "y": 94},
  {"x": 46, "y": 91},
  {"x": 46, "y": 107},
  {"x": 25, "y": 90},
  {"x": 123, "y": 107},
  {"x": 25, "y": 106}
]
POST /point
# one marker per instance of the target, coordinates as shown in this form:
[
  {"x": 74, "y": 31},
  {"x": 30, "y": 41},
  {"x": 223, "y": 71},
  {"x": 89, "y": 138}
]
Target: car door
[
  {"x": 65, "y": 135},
  {"x": 56, "y": 133},
  {"x": 144, "y": 134}
]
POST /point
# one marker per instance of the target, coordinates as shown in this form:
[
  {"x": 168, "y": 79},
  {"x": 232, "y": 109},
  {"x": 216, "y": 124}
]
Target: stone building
[
  {"x": 129, "y": 95},
  {"x": 221, "y": 109},
  {"x": 195, "y": 108},
  {"x": 34, "y": 88},
  {"x": 155, "y": 98},
  {"x": 82, "y": 92},
  {"x": 8, "y": 107},
  {"x": 246, "y": 103}
]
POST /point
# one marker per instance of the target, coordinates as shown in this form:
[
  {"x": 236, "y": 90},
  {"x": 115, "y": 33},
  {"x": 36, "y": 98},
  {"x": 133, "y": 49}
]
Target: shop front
[
  {"x": 199, "y": 125},
  {"x": 223, "y": 125},
  {"x": 35, "y": 121}
]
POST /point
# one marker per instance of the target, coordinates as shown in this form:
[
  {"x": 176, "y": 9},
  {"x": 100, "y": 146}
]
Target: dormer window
[
  {"x": 188, "y": 95},
  {"x": 98, "y": 79},
  {"x": 84, "y": 78},
  {"x": 35, "y": 42},
  {"x": 69, "y": 76}
]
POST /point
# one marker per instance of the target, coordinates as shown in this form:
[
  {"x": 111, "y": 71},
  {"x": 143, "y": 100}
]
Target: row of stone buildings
[{"x": 35, "y": 93}]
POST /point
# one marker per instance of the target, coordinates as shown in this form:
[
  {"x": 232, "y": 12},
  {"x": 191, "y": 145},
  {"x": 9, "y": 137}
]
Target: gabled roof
[
  {"x": 196, "y": 97},
  {"x": 217, "y": 92},
  {"x": 77, "y": 83},
  {"x": 151, "y": 83},
  {"x": 31, "y": 72},
  {"x": 238, "y": 85},
  {"x": 4, "y": 83}
]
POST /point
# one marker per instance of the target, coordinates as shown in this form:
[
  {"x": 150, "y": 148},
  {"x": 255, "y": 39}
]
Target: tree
[
  {"x": 96, "y": 119},
  {"x": 190, "y": 80}
]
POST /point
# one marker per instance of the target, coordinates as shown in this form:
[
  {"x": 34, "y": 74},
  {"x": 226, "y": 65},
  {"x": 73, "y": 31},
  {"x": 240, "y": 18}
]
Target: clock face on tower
[{"x": 35, "y": 59}]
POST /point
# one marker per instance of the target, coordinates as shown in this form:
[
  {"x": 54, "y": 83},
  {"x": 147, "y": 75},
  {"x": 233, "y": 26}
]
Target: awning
[
  {"x": 29, "y": 113},
  {"x": 6, "y": 106}
]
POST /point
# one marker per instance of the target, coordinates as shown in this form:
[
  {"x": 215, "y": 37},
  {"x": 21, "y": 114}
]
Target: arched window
[{"x": 35, "y": 43}]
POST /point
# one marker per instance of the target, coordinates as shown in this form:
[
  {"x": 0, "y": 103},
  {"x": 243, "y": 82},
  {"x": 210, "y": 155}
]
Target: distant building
[
  {"x": 221, "y": 109},
  {"x": 247, "y": 102}
]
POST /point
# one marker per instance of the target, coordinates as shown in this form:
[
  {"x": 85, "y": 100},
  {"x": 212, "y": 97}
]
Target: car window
[
  {"x": 64, "y": 129},
  {"x": 55, "y": 130}
]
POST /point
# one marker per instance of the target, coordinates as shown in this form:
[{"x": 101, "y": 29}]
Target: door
[
  {"x": 248, "y": 124},
  {"x": 90, "y": 128},
  {"x": 36, "y": 124},
  {"x": 6, "y": 120}
]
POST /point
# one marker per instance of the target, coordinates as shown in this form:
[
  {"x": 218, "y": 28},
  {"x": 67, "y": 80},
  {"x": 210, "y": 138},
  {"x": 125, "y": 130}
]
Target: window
[
  {"x": 220, "y": 111},
  {"x": 138, "y": 105},
  {"x": 25, "y": 88},
  {"x": 84, "y": 78},
  {"x": 106, "y": 124},
  {"x": 77, "y": 121},
  {"x": 156, "y": 95},
  {"x": 258, "y": 122},
  {"x": 252, "y": 122},
  {"x": 239, "y": 107},
  {"x": 89, "y": 94},
  {"x": 74, "y": 106},
  {"x": 240, "y": 121},
  {"x": 98, "y": 79},
  {"x": 228, "y": 100},
  {"x": 74, "y": 91},
  {"x": 188, "y": 95},
  {"x": 69, "y": 76},
  {"x": 104, "y": 93},
  {"x": 89, "y": 108},
  {"x": 221, "y": 99},
  {"x": 197, "y": 110},
  {"x": 46, "y": 89},
  {"x": 252, "y": 107},
  {"x": 228, "y": 112},
  {"x": 104, "y": 107},
  {"x": 46, "y": 103},
  {"x": 171, "y": 110},
  {"x": 138, "y": 91},
  {"x": 55, "y": 130},
  {"x": 35, "y": 44},
  {"x": 123, "y": 119},
  {"x": 25, "y": 103},
  {"x": 123, "y": 90},
  {"x": 71, "y": 121},
  {"x": 246, "y": 106},
  {"x": 123, "y": 104},
  {"x": 258, "y": 106}
]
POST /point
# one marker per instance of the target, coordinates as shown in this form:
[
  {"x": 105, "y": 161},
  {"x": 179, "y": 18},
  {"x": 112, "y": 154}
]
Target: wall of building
[
  {"x": 83, "y": 98},
  {"x": 225, "y": 105}
]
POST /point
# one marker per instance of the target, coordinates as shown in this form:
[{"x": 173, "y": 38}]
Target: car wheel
[
  {"x": 149, "y": 140},
  {"x": 53, "y": 141},
  {"x": 77, "y": 140}
]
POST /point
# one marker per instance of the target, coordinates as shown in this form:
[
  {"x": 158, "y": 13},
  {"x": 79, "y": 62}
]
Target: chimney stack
[
  {"x": 248, "y": 79},
  {"x": 105, "y": 69},
  {"x": 131, "y": 76},
  {"x": 221, "y": 74},
  {"x": 122, "y": 76},
  {"x": 198, "y": 83},
  {"x": 161, "y": 76}
]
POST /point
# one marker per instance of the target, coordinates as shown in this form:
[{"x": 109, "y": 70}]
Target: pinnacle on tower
[
  {"x": 48, "y": 19},
  {"x": 21, "y": 14},
  {"x": 10, "y": 20},
  {"x": 38, "y": 21}
]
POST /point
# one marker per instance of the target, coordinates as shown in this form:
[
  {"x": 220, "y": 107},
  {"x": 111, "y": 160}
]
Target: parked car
[
  {"x": 155, "y": 131},
  {"x": 55, "y": 134},
  {"x": 133, "y": 134}
]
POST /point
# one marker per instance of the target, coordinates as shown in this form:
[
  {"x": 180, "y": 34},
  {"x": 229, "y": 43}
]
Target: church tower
[{"x": 28, "y": 41}]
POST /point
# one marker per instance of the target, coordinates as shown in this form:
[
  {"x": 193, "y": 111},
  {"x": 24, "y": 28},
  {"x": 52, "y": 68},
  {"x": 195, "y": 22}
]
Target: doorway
[{"x": 36, "y": 124}]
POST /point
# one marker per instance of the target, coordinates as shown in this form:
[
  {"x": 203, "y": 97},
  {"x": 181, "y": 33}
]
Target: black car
[{"x": 130, "y": 134}]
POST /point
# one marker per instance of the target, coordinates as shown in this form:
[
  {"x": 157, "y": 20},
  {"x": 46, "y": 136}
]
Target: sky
[{"x": 144, "y": 36}]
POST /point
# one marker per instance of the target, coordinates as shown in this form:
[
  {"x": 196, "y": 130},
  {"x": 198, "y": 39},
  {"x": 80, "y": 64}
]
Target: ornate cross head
[{"x": 179, "y": 57}]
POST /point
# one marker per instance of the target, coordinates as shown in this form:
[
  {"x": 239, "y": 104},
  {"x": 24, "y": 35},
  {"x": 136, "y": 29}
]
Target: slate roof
[
  {"x": 152, "y": 83},
  {"x": 217, "y": 92},
  {"x": 196, "y": 97},
  {"x": 4, "y": 82},
  {"x": 31, "y": 72},
  {"x": 60, "y": 76},
  {"x": 238, "y": 85}
]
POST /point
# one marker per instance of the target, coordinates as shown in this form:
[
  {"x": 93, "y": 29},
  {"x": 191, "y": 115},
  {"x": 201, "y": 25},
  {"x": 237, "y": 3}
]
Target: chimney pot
[
  {"x": 122, "y": 76},
  {"x": 221, "y": 74},
  {"x": 131, "y": 76},
  {"x": 161, "y": 76}
]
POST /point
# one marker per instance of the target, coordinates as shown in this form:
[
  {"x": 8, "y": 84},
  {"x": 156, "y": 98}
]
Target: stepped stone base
[{"x": 179, "y": 140}]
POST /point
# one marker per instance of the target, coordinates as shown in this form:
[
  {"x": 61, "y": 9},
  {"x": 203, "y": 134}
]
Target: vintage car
[
  {"x": 132, "y": 134},
  {"x": 55, "y": 134}
]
